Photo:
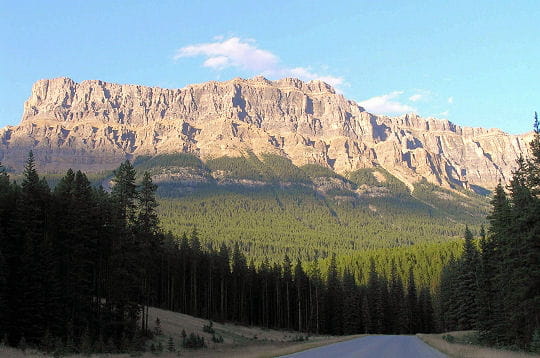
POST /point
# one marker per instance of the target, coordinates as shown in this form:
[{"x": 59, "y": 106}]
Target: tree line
[
  {"x": 74, "y": 261},
  {"x": 81, "y": 266},
  {"x": 494, "y": 287}
]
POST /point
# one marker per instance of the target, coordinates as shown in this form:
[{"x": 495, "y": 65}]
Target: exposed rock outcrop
[{"x": 93, "y": 125}]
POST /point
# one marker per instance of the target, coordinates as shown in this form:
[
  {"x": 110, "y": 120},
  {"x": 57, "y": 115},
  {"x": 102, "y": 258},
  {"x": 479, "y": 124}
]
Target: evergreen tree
[
  {"x": 397, "y": 303},
  {"x": 468, "y": 284},
  {"x": 147, "y": 219},
  {"x": 411, "y": 302},
  {"x": 486, "y": 293},
  {"x": 375, "y": 301},
  {"x": 33, "y": 306},
  {"x": 507, "y": 283},
  {"x": 426, "y": 311},
  {"x": 147, "y": 227},
  {"x": 124, "y": 191},
  {"x": 334, "y": 300},
  {"x": 301, "y": 283},
  {"x": 287, "y": 289},
  {"x": 351, "y": 305}
]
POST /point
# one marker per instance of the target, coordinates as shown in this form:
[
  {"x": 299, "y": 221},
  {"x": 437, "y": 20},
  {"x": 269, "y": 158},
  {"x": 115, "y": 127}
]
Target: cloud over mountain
[{"x": 244, "y": 55}]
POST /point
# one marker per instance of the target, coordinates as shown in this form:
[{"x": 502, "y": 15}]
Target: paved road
[{"x": 374, "y": 347}]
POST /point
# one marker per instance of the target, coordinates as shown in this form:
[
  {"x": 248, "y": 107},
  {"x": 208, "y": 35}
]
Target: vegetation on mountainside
[
  {"x": 282, "y": 213},
  {"x": 235, "y": 168},
  {"x": 184, "y": 160},
  {"x": 302, "y": 223},
  {"x": 80, "y": 264},
  {"x": 318, "y": 171}
]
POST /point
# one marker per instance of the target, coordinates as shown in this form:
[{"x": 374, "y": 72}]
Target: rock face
[{"x": 93, "y": 125}]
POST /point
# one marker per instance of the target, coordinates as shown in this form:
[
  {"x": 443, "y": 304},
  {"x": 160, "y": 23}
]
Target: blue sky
[{"x": 476, "y": 63}]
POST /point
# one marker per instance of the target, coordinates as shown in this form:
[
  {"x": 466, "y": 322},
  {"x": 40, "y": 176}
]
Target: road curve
[{"x": 373, "y": 347}]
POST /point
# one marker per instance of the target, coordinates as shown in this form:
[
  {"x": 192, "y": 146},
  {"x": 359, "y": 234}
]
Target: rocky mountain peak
[{"x": 93, "y": 125}]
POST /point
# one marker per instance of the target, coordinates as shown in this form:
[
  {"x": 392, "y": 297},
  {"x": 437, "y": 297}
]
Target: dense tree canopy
[
  {"x": 497, "y": 289},
  {"x": 82, "y": 265}
]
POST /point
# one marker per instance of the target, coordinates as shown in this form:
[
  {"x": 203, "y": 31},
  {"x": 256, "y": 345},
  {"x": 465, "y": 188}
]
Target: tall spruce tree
[
  {"x": 147, "y": 231},
  {"x": 351, "y": 304},
  {"x": 300, "y": 283},
  {"x": 375, "y": 301},
  {"x": 396, "y": 302},
  {"x": 426, "y": 309},
  {"x": 32, "y": 209},
  {"x": 125, "y": 269},
  {"x": 124, "y": 191},
  {"x": 333, "y": 301},
  {"x": 468, "y": 283},
  {"x": 411, "y": 302}
]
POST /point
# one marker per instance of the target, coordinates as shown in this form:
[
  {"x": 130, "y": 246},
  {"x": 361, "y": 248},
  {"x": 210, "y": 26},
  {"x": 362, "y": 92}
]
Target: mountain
[{"x": 94, "y": 125}]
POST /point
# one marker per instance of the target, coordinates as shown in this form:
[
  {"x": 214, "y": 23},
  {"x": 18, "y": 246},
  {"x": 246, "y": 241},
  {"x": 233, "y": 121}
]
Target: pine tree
[
  {"x": 334, "y": 300},
  {"x": 351, "y": 305},
  {"x": 224, "y": 273},
  {"x": 411, "y": 302},
  {"x": 315, "y": 294},
  {"x": 486, "y": 293},
  {"x": 11, "y": 251},
  {"x": 397, "y": 302},
  {"x": 468, "y": 284},
  {"x": 125, "y": 268},
  {"x": 498, "y": 231},
  {"x": 124, "y": 191},
  {"x": 287, "y": 289},
  {"x": 239, "y": 269},
  {"x": 33, "y": 306},
  {"x": 375, "y": 297},
  {"x": 426, "y": 309},
  {"x": 147, "y": 218},
  {"x": 522, "y": 251},
  {"x": 147, "y": 227},
  {"x": 300, "y": 281}
]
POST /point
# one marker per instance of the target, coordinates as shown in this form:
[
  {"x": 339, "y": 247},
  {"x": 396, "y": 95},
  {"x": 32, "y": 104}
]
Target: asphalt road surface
[{"x": 374, "y": 347}]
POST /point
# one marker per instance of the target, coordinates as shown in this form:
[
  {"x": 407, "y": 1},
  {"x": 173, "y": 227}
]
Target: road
[{"x": 374, "y": 347}]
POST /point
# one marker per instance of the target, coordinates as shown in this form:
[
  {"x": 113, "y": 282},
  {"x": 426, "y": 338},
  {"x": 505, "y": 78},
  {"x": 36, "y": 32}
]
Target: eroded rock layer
[{"x": 93, "y": 125}]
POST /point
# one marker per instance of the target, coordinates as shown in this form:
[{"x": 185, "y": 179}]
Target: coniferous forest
[
  {"x": 494, "y": 287},
  {"x": 80, "y": 266},
  {"x": 83, "y": 265}
]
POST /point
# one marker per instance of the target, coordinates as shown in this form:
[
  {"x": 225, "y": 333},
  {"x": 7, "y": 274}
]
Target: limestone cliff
[{"x": 94, "y": 125}]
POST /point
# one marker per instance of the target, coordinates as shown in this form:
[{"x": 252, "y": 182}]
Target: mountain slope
[
  {"x": 93, "y": 125},
  {"x": 272, "y": 207}
]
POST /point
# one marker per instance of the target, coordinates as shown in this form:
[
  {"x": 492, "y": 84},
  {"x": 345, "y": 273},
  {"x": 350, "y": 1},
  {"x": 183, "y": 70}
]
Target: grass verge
[{"x": 465, "y": 345}]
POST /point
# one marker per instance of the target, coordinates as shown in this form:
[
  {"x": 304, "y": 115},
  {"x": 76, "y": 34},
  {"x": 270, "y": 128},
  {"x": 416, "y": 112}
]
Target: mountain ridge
[{"x": 94, "y": 125}]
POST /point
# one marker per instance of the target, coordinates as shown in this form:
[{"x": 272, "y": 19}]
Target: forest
[
  {"x": 80, "y": 265},
  {"x": 273, "y": 208},
  {"x": 494, "y": 287}
]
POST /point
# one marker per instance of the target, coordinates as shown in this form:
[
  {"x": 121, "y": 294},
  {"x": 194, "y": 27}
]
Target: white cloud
[
  {"x": 444, "y": 114},
  {"x": 386, "y": 104},
  {"x": 421, "y": 95},
  {"x": 450, "y": 100},
  {"x": 218, "y": 62},
  {"x": 244, "y": 54},
  {"x": 416, "y": 97},
  {"x": 231, "y": 52},
  {"x": 304, "y": 74}
]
